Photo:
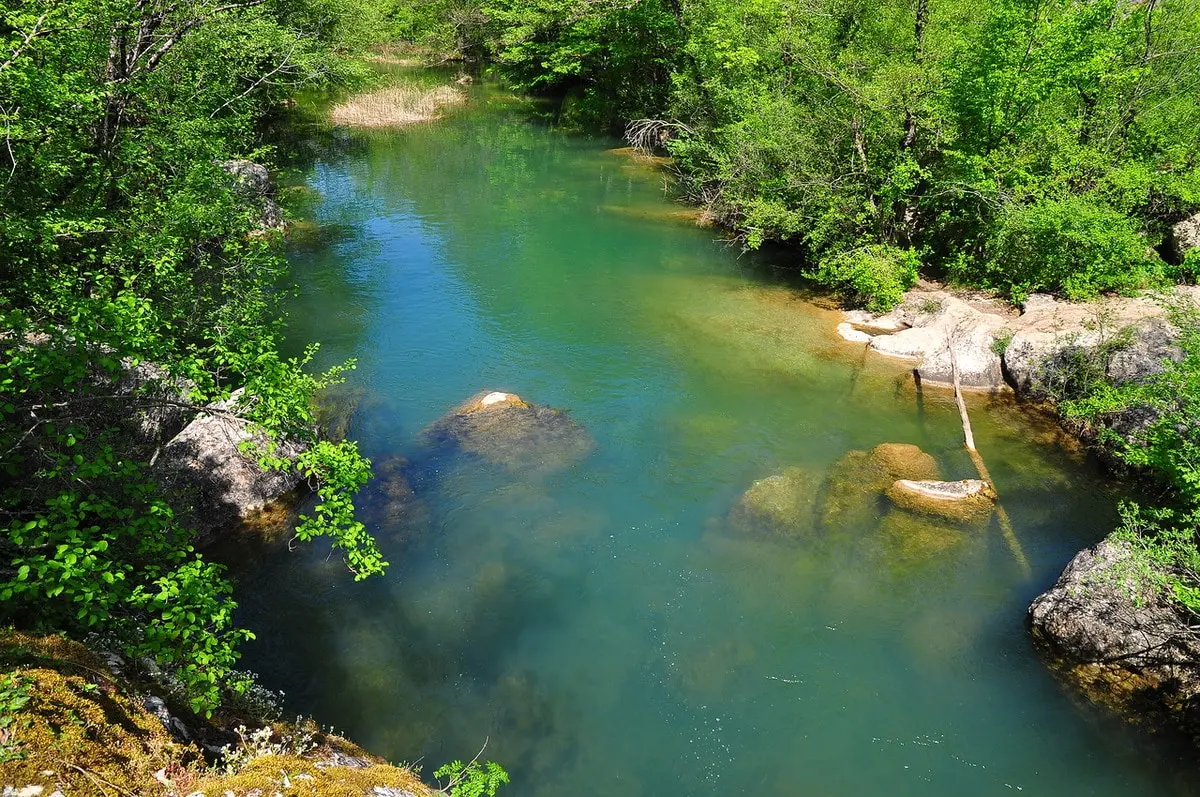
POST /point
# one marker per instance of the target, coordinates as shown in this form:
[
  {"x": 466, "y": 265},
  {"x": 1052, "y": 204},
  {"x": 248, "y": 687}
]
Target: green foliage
[
  {"x": 472, "y": 779},
  {"x": 875, "y": 276},
  {"x": 1164, "y": 556},
  {"x": 1072, "y": 246},
  {"x": 136, "y": 288},
  {"x": 1018, "y": 144},
  {"x": 14, "y": 694},
  {"x": 1165, "y": 444}
]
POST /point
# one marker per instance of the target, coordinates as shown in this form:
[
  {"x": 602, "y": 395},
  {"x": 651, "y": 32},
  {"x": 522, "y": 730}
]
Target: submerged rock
[
  {"x": 504, "y": 429},
  {"x": 858, "y": 480},
  {"x": 1119, "y": 641},
  {"x": 783, "y": 505},
  {"x": 966, "y": 501},
  {"x": 911, "y": 539},
  {"x": 213, "y": 485}
]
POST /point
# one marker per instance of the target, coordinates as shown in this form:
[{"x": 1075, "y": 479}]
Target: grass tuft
[{"x": 396, "y": 106}]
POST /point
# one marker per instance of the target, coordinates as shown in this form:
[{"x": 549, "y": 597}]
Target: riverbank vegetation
[
  {"x": 1016, "y": 145},
  {"x": 136, "y": 286},
  {"x": 395, "y": 106}
]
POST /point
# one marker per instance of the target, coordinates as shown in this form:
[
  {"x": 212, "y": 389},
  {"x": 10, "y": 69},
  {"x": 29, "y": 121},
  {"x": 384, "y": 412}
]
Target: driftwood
[{"x": 1006, "y": 525}]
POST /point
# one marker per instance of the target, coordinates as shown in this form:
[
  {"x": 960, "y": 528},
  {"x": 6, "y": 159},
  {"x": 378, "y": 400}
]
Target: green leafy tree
[{"x": 136, "y": 288}]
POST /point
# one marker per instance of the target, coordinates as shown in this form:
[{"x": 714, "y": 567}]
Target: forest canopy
[{"x": 1015, "y": 145}]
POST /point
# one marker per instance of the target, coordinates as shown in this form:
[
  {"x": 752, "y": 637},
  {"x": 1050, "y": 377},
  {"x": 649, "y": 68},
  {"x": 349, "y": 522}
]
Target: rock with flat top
[{"x": 965, "y": 501}]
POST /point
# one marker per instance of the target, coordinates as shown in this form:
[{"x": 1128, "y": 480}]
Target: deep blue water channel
[{"x": 601, "y": 625}]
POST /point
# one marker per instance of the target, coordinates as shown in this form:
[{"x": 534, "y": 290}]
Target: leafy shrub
[
  {"x": 875, "y": 276},
  {"x": 472, "y": 779},
  {"x": 1164, "y": 559},
  {"x": 1070, "y": 246}
]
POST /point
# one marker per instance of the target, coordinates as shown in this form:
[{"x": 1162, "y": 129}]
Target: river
[{"x": 601, "y": 625}]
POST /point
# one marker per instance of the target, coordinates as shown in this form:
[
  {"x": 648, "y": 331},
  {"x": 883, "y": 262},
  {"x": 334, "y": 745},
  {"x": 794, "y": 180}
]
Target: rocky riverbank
[{"x": 1103, "y": 627}]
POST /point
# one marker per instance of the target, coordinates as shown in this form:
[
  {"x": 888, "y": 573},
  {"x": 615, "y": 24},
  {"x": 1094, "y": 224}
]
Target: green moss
[
  {"x": 304, "y": 777},
  {"x": 80, "y": 730}
]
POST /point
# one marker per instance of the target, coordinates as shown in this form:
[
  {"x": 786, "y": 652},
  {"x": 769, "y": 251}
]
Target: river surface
[{"x": 600, "y": 624}]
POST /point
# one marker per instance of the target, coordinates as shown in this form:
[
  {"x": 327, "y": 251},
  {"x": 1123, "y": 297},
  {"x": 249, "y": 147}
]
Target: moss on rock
[
  {"x": 783, "y": 505},
  {"x": 858, "y": 480},
  {"x": 79, "y": 730}
]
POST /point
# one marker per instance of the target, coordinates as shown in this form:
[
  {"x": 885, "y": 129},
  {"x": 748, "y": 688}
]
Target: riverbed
[{"x": 598, "y": 622}]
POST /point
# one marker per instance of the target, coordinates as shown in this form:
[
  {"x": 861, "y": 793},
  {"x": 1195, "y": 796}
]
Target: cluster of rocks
[
  {"x": 996, "y": 347},
  {"x": 1116, "y": 640},
  {"x": 894, "y": 490}
]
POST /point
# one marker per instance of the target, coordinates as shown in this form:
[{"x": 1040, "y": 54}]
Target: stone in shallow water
[
  {"x": 783, "y": 505},
  {"x": 504, "y": 429},
  {"x": 910, "y": 539},
  {"x": 858, "y": 480},
  {"x": 965, "y": 501}
]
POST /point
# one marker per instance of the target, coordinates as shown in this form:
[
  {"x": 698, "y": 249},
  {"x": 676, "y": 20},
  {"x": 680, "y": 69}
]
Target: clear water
[{"x": 601, "y": 626}]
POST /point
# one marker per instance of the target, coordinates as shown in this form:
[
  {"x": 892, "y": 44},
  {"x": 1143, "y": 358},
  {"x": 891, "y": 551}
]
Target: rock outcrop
[
  {"x": 212, "y": 483},
  {"x": 1185, "y": 236},
  {"x": 253, "y": 182},
  {"x": 1032, "y": 351},
  {"x": 1118, "y": 641},
  {"x": 83, "y": 727},
  {"x": 966, "y": 501},
  {"x": 504, "y": 429}
]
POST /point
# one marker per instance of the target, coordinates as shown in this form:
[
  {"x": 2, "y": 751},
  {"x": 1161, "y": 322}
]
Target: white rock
[{"x": 848, "y": 332}]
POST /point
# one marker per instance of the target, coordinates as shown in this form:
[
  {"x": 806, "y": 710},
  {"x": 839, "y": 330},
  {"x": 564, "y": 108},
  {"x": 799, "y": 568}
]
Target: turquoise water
[{"x": 601, "y": 625}]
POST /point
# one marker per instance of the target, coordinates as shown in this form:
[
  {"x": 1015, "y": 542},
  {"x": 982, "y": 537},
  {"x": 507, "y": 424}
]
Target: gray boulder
[
  {"x": 1118, "y": 642},
  {"x": 253, "y": 182},
  {"x": 504, "y": 429},
  {"x": 1185, "y": 236},
  {"x": 211, "y": 482}
]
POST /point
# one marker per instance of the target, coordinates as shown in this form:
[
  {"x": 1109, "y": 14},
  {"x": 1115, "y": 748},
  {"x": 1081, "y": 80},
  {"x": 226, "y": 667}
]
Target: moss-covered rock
[
  {"x": 910, "y": 539},
  {"x": 75, "y": 725},
  {"x": 967, "y": 501},
  {"x": 504, "y": 429},
  {"x": 70, "y": 723},
  {"x": 858, "y": 480},
  {"x": 783, "y": 505}
]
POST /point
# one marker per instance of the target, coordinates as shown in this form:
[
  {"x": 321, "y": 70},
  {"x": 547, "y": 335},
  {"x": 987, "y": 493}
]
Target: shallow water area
[{"x": 599, "y": 621}]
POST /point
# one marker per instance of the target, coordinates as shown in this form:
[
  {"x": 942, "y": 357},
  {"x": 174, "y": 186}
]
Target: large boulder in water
[
  {"x": 782, "y": 505},
  {"x": 858, "y": 480},
  {"x": 504, "y": 429},
  {"x": 1112, "y": 635},
  {"x": 966, "y": 501},
  {"x": 211, "y": 482}
]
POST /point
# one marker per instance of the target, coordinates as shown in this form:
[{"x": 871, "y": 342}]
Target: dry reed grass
[{"x": 396, "y": 106}]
